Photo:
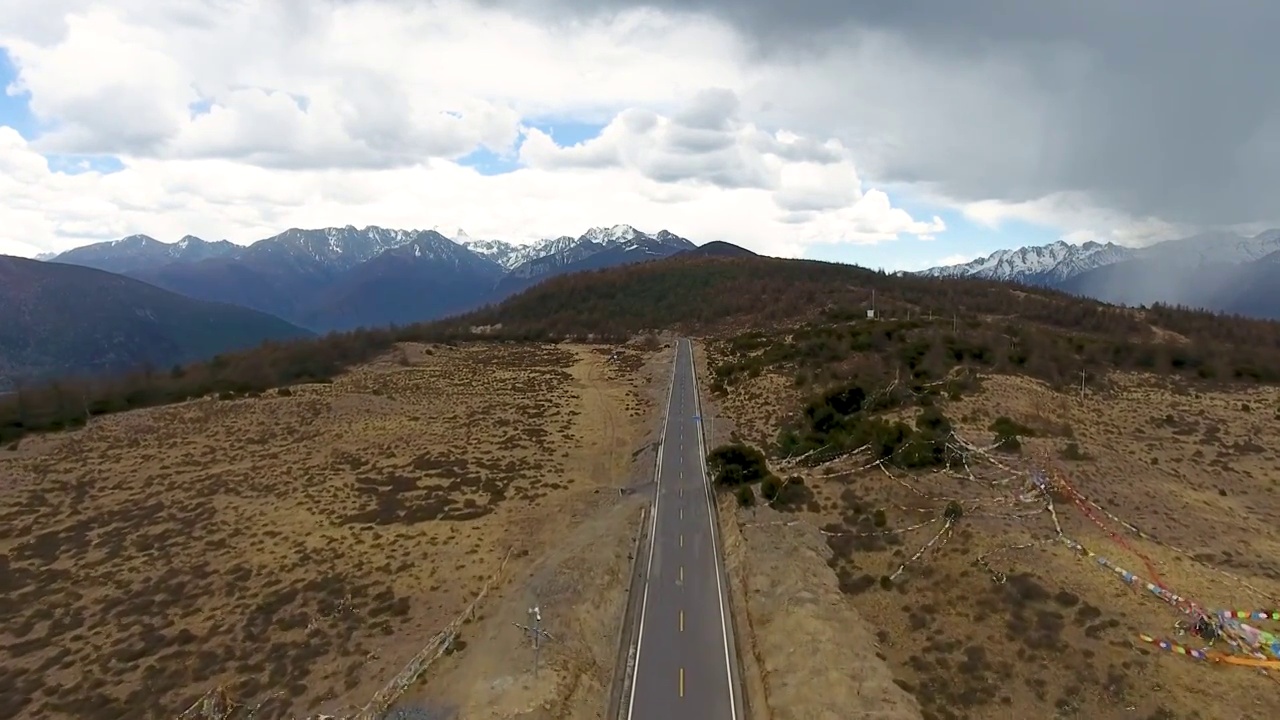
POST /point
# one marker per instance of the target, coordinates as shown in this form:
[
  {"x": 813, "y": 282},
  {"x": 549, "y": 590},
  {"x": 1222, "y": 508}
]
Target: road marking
[
  {"x": 682, "y": 513},
  {"x": 653, "y": 533},
  {"x": 681, "y": 539},
  {"x": 682, "y": 574},
  {"x": 681, "y": 489},
  {"x": 681, "y": 621},
  {"x": 681, "y": 682},
  {"x": 715, "y": 550}
]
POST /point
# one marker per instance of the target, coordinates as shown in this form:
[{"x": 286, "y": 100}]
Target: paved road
[{"x": 684, "y": 666}]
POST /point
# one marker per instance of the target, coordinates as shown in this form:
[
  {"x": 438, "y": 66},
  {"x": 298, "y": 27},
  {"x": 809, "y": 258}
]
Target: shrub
[
  {"x": 1072, "y": 451},
  {"x": 880, "y": 518},
  {"x": 745, "y": 495},
  {"x": 771, "y": 488},
  {"x": 737, "y": 464},
  {"x": 1004, "y": 426},
  {"x": 1009, "y": 433}
]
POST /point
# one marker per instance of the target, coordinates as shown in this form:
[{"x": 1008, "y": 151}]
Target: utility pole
[{"x": 536, "y": 633}]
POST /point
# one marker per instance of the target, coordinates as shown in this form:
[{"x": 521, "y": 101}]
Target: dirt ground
[
  {"x": 298, "y": 548},
  {"x": 1039, "y": 631},
  {"x": 579, "y": 582}
]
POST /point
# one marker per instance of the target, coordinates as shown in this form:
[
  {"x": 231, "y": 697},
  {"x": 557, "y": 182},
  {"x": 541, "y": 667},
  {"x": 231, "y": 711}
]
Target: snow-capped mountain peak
[
  {"x": 610, "y": 236},
  {"x": 138, "y": 240},
  {"x": 335, "y": 247},
  {"x": 1036, "y": 264}
]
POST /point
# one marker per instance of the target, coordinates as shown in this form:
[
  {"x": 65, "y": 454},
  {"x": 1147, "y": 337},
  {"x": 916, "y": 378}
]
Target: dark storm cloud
[{"x": 1164, "y": 108}]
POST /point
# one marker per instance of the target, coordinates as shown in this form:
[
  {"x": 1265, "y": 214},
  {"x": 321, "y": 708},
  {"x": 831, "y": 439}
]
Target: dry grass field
[
  {"x": 299, "y": 547},
  {"x": 1037, "y": 631}
]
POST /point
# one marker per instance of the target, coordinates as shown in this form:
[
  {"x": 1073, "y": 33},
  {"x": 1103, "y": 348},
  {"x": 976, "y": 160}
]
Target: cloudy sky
[{"x": 893, "y": 134}]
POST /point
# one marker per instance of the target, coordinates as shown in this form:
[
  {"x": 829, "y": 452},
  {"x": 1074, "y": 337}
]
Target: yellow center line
[
  {"x": 682, "y": 540},
  {"x": 681, "y": 621},
  {"x": 681, "y": 573},
  {"x": 681, "y": 682}
]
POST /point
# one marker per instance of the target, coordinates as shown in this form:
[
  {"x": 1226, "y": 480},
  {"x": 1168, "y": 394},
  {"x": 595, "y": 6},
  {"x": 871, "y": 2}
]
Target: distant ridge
[{"x": 64, "y": 319}]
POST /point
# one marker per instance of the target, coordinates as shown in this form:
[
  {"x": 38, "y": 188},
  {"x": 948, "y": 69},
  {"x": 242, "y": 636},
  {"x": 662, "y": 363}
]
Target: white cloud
[
  {"x": 240, "y": 118},
  {"x": 1072, "y": 210},
  {"x": 218, "y": 198}
]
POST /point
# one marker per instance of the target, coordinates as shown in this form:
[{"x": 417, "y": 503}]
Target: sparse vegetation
[{"x": 297, "y": 550}]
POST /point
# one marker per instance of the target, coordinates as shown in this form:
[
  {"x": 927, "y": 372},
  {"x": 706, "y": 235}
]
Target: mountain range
[
  {"x": 137, "y": 301},
  {"x": 1223, "y": 272},
  {"x": 341, "y": 278}
]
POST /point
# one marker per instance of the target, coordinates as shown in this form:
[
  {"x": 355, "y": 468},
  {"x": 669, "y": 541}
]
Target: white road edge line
[
  {"x": 653, "y": 528},
  {"x": 711, "y": 513}
]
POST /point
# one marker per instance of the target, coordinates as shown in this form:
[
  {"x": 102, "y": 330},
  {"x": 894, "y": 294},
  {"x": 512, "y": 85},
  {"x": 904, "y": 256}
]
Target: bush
[
  {"x": 1009, "y": 433},
  {"x": 737, "y": 464},
  {"x": 1004, "y": 426},
  {"x": 880, "y": 518},
  {"x": 746, "y": 496},
  {"x": 1072, "y": 451},
  {"x": 771, "y": 488},
  {"x": 954, "y": 511}
]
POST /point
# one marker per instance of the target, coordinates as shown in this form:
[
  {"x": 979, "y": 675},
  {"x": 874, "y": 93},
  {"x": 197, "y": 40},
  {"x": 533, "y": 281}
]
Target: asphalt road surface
[{"x": 684, "y": 666}]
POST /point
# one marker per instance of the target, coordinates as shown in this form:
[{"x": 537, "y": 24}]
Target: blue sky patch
[
  {"x": 487, "y": 162},
  {"x": 78, "y": 164},
  {"x": 565, "y": 133},
  {"x": 15, "y": 110}
]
